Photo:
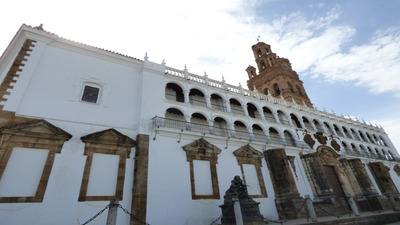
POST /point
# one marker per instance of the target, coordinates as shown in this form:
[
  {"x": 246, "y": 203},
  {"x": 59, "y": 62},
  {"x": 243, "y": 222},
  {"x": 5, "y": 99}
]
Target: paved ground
[{"x": 330, "y": 218}]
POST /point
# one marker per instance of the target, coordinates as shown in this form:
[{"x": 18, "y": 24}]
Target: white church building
[{"x": 81, "y": 126}]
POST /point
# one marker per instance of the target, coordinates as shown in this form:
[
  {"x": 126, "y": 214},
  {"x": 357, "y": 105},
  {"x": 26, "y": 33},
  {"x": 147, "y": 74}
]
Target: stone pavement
[{"x": 388, "y": 217}]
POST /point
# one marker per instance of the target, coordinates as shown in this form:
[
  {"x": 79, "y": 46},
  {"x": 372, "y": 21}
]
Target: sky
[{"x": 347, "y": 53}]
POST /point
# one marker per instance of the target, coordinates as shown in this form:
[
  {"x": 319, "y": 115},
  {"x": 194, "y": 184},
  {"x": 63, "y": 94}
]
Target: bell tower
[{"x": 275, "y": 76}]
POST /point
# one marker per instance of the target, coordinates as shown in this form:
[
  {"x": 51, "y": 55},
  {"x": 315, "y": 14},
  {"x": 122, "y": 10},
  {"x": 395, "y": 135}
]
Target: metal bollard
[
  {"x": 352, "y": 204},
  {"x": 238, "y": 211},
  {"x": 310, "y": 208}
]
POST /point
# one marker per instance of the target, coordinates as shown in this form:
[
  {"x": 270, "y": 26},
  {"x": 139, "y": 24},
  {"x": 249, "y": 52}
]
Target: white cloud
[{"x": 375, "y": 65}]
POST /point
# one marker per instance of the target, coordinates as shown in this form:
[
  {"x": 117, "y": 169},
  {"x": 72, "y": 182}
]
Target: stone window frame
[
  {"x": 111, "y": 142},
  {"x": 203, "y": 150},
  {"x": 249, "y": 155},
  {"x": 35, "y": 134}
]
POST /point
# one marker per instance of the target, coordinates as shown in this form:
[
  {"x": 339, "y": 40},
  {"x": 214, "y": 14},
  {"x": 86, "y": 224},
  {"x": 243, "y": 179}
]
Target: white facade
[{"x": 131, "y": 94}]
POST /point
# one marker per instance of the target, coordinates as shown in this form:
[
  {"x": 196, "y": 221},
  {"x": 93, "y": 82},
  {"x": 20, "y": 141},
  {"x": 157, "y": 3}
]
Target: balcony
[{"x": 182, "y": 125}]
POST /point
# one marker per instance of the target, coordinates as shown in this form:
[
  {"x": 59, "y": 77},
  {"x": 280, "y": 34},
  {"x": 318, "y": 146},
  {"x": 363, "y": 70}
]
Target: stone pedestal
[
  {"x": 291, "y": 207},
  {"x": 249, "y": 208}
]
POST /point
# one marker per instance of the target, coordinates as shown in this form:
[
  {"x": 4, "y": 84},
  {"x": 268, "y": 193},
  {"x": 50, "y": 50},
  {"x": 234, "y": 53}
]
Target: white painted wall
[{"x": 23, "y": 171}]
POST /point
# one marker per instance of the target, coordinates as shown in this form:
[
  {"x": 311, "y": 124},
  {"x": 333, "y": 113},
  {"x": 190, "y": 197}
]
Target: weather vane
[{"x": 258, "y": 38}]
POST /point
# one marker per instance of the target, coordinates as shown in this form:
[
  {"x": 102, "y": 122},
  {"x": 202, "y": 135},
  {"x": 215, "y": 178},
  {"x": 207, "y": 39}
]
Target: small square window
[{"x": 90, "y": 94}]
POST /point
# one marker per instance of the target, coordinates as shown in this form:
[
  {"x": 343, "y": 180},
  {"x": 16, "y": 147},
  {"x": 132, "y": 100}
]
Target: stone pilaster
[
  {"x": 287, "y": 198},
  {"x": 368, "y": 199},
  {"x": 139, "y": 192}
]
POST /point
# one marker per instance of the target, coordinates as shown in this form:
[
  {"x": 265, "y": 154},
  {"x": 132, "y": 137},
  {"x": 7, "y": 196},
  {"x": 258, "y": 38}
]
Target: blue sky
[{"x": 346, "y": 52}]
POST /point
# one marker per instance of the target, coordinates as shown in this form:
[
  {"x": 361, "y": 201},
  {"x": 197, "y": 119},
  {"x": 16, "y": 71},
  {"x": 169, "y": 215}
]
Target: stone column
[
  {"x": 186, "y": 94},
  {"x": 310, "y": 208}
]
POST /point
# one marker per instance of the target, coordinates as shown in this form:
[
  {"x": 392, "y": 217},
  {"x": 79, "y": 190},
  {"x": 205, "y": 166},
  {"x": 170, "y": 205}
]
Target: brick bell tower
[{"x": 275, "y": 76}]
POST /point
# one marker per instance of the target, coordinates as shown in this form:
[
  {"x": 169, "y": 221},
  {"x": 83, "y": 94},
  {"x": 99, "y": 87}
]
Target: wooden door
[{"x": 334, "y": 181}]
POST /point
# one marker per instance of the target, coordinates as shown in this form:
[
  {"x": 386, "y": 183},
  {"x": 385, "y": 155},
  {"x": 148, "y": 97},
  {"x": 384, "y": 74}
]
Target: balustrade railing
[
  {"x": 183, "y": 125},
  {"x": 224, "y": 132},
  {"x": 198, "y": 103},
  {"x": 218, "y": 107},
  {"x": 240, "y": 90}
]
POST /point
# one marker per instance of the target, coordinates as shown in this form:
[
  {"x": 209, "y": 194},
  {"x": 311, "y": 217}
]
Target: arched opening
[
  {"x": 346, "y": 133},
  {"x": 385, "y": 156},
  {"x": 338, "y": 132},
  {"x": 307, "y": 124},
  {"x": 252, "y": 110},
  {"x": 377, "y": 153},
  {"x": 276, "y": 89},
  {"x": 318, "y": 126},
  {"x": 258, "y": 133},
  {"x": 266, "y": 91},
  {"x": 363, "y": 151},
  {"x": 382, "y": 141},
  {"x": 362, "y": 136},
  {"x": 295, "y": 121},
  {"x": 196, "y": 97},
  {"x": 391, "y": 156},
  {"x": 198, "y": 122},
  {"x": 346, "y": 148},
  {"x": 354, "y": 148},
  {"x": 268, "y": 114},
  {"x": 241, "y": 130},
  {"x": 217, "y": 102},
  {"x": 328, "y": 128},
  {"x": 174, "y": 118},
  {"x": 376, "y": 140},
  {"x": 274, "y": 136},
  {"x": 355, "y": 135},
  {"x": 263, "y": 66},
  {"x": 299, "y": 90},
  {"x": 370, "y": 152},
  {"x": 236, "y": 107},
  {"x": 220, "y": 127},
  {"x": 282, "y": 118},
  {"x": 174, "y": 92},
  {"x": 289, "y": 138},
  {"x": 370, "y": 138},
  {"x": 259, "y": 53},
  {"x": 290, "y": 86}
]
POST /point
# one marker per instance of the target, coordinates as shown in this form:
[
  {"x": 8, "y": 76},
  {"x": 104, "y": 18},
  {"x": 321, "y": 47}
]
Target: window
[
  {"x": 290, "y": 87},
  {"x": 249, "y": 160},
  {"x": 299, "y": 90},
  {"x": 276, "y": 88},
  {"x": 106, "y": 152},
  {"x": 203, "y": 158},
  {"x": 28, "y": 150},
  {"x": 23, "y": 171},
  {"x": 90, "y": 94}
]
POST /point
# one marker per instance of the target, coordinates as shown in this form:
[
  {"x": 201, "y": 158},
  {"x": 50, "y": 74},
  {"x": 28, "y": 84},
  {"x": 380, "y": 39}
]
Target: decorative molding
[
  {"x": 320, "y": 138},
  {"x": 107, "y": 141},
  {"x": 203, "y": 150},
  {"x": 35, "y": 134},
  {"x": 309, "y": 140},
  {"x": 249, "y": 155}
]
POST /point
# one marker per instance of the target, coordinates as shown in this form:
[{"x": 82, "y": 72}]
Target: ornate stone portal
[
  {"x": 333, "y": 179},
  {"x": 249, "y": 207}
]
